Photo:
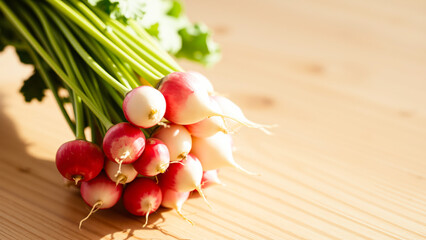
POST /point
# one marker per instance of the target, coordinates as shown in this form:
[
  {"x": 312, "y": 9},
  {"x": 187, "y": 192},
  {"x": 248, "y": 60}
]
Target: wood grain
[{"x": 345, "y": 80}]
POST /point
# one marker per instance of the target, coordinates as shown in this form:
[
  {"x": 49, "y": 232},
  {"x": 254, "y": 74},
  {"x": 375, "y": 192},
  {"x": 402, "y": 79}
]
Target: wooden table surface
[{"x": 344, "y": 79}]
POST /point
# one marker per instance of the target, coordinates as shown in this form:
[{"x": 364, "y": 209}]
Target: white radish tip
[
  {"x": 249, "y": 124},
  {"x": 241, "y": 169}
]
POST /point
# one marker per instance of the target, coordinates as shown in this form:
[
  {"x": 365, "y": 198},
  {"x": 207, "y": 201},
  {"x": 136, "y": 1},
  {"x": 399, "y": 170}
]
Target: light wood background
[{"x": 344, "y": 79}]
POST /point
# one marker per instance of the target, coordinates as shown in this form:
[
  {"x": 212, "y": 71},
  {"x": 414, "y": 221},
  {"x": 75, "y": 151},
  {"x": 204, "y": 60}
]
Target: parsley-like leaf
[{"x": 33, "y": 88}]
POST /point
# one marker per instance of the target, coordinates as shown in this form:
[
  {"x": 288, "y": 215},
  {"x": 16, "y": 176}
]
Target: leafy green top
[{"x": 163, "y": 19}]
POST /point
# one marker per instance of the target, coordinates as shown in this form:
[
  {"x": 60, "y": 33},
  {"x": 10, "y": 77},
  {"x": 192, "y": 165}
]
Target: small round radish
[
  {"x": 208, "y": 86},
  {"x": 124, "y": 143},
  {"x": 79, "y": 160},
  {"x": 142, "y": 197},
  {"x": 215, "y": 152},
  {"x": 155, "y": 158},
  {"x": 177, "y": 139},
  {"x": 184, "y": 176},
  {"x": 175, "y": 200},
  {"x": 144, "y": 106},
  {"x": 208, "y": 126},
  {"x": 235, "y": 118},
  {"x": 127, "y": 172},
  {"x": 210, "y": 178},
  {"x": 187, "y": 100},
  {"x": 100, "y": 193}
]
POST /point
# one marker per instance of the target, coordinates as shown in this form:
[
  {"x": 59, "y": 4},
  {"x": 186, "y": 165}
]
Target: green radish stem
[
  {"x": 42, "y": 52},
  {"x": 116, "y": 40},
  {"x": 86, "y": 57},
  {"x": 79, "y": 117},
  {"x": 51, "y": 86},
  {"x": 137, "y": 43},
  {"x": 95, "y": 33}
]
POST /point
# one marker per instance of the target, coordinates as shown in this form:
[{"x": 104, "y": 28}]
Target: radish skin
[
  {"x": 79, "y": 160},
  {"x": 154, "y": 160},
  {"x": 175, "y": 200},
  {"x": 210, "y": 178},
  {"x": 208, "y": 126},
  {"x": 184, "y": 176},
  {"x": 144, "y": 106},
  {"x": 100, "y": 193},
  {"x": 124, "y": 143},
  {"x": 215, "y": 152},
  {"x": 187, "y": 100},
  {"x": 142, "y": 197},
  {"x": 204, "y": 81},
  {"x": 128, "y": 172},
  {"x": 176, "y": 138},
  {"x": 234, "y": 116}
]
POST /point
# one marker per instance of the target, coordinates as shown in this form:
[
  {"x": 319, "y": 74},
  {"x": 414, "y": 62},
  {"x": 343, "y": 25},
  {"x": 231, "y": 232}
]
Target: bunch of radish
[
  {"x": 175, "y": 140},
  {"x": 157, "y": 132}
]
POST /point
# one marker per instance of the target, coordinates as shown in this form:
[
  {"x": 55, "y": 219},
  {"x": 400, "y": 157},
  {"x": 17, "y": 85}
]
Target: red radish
[
  {"x": 184, "y": 176},
  {"x": 215, "y": 152},
  {"x": 177, "y": 139},
  {"x": 208, "y": 126},
  {"x": 144, "y": 106},
  {"x": 175, "y": 200},
  {"x": 235, "y": 117},
  {"x": 187, "y": 100},
  {"x": 123, "y": 143},
  {"x": 100, "y": 193},
  {"x": 154, "y": 160},
  {"x": 210, "y": 178},
  {"x": 142, "y": 197},
  {"x": 79, "y": 160},
  {"x": 127, "y": 174},
  {"x": 203, "y": 81}
]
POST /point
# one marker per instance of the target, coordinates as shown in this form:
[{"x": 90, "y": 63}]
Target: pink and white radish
[
  {"x": 155, "y": 158},
  {"x": 235, "y": 116},
  {"x": 210, "y": 178},
  {"x": 100, "y": 193},
  {"x": 177, "y": 139},
  {"x": 142, "y": 197},
  {"x": 175, "y": 200},
  {"x": 204, "y": 81},
  {"x": 189, "y": 102},
  {"x": 215, "y": 152},
  {"x": 208, "y": 126},
  {"x": 127, "y": 173},
  {"x": 144, "y": 106},
  {"x": 184, "y": 176},
  {"x": 123, "y": 143},
  {"x": 79, "y": 160}
]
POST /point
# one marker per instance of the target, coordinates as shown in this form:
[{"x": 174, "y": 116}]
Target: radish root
[
  {"x": 241, "y": 169},
  {"x": 95, "y": 208},
  {"x": 77, "y": 179},
  {"x": 198, "y": 188},
  {"x": 183, "y": 216},
  {"x": 147, "y": 215},
  {"x": 250, "y": 124}
]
